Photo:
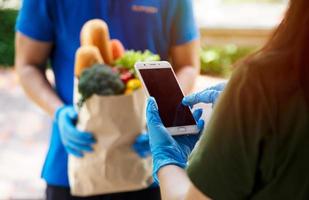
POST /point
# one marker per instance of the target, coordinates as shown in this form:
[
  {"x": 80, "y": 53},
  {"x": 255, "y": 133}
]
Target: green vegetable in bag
[{"x": 101, "y": 80}]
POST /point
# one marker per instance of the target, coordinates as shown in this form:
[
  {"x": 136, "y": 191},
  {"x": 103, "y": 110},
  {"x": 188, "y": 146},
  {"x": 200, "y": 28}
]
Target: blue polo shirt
[{"x": 139, "y": 24}]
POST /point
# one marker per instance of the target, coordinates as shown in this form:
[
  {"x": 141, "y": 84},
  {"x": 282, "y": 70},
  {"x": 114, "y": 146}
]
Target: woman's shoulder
[
  {"x": 273, "y": 69},
  {"x": 269, "y": 77}
]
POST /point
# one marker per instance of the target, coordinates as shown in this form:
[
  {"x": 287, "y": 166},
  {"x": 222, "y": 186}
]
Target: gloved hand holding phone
[
  {"x": 166, "y": 149},
  {"x": 175, "y": 150},
  {"x": 75, "y": 142}
]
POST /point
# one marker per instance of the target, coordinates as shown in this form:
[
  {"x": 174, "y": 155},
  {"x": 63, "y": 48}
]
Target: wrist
[
  {"x": 164, "y": 163},
  {"x": 54, "y": 106},
  {"x": 167, "y": 156}
]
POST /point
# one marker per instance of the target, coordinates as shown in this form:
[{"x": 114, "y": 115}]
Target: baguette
[
  {"x": 95, "y": 32},
  {"x": 85, "y": 57}
]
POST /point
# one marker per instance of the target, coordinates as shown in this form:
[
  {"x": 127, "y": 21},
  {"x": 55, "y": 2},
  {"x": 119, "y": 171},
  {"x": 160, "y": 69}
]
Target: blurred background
[{"x": 230, "y": 30}]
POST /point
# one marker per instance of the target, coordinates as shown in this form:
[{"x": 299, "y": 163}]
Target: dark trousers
[{"x": 63, "y": 193}]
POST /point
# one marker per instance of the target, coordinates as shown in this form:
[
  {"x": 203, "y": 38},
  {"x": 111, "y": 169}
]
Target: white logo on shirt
[{"x": 145, "y": 9}]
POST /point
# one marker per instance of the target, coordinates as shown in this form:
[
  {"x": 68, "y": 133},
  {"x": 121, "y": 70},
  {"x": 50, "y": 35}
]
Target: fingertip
[
  {"x": 88, "y": 149},
  {"x": 78, "y": 155},
  {"x": 74, "y": 152},
  {"x": 92, "y": 141},
  {"x": 185, "y": 101},
  {"x": 188, "y": 101},
  {"x": 197, "y": 114},
  {"x": 88, "y": 134},
  {"x": 143, "y": 154},
  {"x": 214, "y": 96},
  {"x": 221, "y": 86},
  {"x": 199, "y": 111},
  {"x": 88, "y": 137},
  {"x": 200, "y": 124},
  {"x": 72, "y": 113},
  {"x": 151, "y": 100},
  {"x": 152, "y": 104}
]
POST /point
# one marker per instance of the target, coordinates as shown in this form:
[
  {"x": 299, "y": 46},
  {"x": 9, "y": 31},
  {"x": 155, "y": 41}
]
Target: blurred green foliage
[
  {"x": 7, "y": 34},
  {"x": 218, "y": 60}
]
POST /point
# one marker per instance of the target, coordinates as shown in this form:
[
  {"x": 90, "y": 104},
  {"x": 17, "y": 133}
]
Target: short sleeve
[
  {"x": 225, "y": 164},
  {"x": 184, "y": 28},
  {"x": 34, "y": 20}
]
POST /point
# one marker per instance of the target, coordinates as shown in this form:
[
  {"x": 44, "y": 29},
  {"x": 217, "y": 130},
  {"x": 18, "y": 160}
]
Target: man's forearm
[
  {"x": 187, "y": 77},
  {"x": 38, "y": 88},
  {"x": 186, "y": 63}
]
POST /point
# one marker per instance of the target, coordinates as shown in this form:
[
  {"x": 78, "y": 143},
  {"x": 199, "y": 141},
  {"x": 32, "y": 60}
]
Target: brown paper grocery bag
[{"x": 113, "y": 166}]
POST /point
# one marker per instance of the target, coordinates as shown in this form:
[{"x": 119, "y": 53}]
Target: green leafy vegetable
[
  {"x": 100, "y": 80},
  {"x": 131, "y": 57}
]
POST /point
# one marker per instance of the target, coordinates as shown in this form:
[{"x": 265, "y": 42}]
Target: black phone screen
[{"x": 163, "y": 86}]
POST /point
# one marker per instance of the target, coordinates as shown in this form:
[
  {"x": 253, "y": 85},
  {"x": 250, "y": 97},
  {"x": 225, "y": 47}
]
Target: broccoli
[{"x": 101, "y": 80}]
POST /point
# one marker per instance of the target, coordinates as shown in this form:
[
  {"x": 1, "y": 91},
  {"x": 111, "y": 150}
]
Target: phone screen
[{"x": 163, "y": 86}]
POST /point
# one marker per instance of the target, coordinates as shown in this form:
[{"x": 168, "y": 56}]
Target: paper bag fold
[{"x": 113, "y": 167}]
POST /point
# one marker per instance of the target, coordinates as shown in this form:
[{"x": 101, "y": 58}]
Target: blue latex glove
[
  {"x": 75, "y": 142},
  {"x": 166, "y": 149},
  {"x": 141, "y": 145},
  {"x": 209, "y": 95}
]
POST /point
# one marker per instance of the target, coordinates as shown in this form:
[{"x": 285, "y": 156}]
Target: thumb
[
  {"x": 152, "y": 113},
  {"x": 158, "y": 134}
]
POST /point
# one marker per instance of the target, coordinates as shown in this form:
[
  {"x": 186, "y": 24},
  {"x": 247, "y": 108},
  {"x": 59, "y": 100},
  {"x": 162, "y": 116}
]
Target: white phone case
[{"x": 178, "y": 130}]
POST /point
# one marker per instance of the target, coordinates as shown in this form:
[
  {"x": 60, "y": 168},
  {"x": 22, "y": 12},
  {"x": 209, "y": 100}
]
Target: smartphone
[{"x": 159, "y": 81}]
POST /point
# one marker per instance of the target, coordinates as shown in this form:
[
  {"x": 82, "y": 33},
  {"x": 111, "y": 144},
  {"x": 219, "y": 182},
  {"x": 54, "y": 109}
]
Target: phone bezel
[{"x": 177, "y": 130}]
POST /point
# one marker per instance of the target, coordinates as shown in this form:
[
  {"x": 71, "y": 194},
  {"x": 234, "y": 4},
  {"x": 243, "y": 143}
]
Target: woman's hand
[
  {"x": 209, "y": 95},
  {"x": 167, "y": 150}
]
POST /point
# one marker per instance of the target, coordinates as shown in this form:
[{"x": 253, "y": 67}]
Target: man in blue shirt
[{"x": 48, "y": 30}]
